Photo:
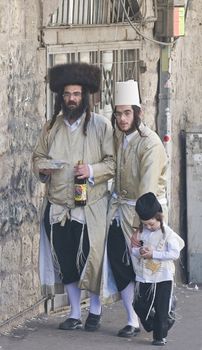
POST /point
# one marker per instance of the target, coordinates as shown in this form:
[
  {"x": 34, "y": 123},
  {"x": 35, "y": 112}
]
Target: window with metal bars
[
  {"x": 88, "y": 12},
  {"x": 117, "y": 65}
]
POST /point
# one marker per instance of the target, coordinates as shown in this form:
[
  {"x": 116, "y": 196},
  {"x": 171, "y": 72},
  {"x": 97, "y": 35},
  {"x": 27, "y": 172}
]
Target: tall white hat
[{"x": 126, "y": 93}]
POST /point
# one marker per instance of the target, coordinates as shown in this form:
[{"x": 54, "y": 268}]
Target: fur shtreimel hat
[
  {"x": 82, "y": 74},
  {"x": 147, "y": 206}
]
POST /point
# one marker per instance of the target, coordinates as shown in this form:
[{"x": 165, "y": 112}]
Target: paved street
[{"x": 42, "y": 332}]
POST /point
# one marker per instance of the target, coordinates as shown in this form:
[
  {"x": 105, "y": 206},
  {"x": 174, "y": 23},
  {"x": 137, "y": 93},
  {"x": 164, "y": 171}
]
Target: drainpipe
[
  {"x": 168, "y": 30},
  {"x": 164, "y": 119}
]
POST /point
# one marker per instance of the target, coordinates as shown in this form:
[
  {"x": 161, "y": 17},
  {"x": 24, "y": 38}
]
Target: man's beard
[
  {"x": 134, "y": 126},
  {"x": 73, "y": 113},
  {"x": 129, "y": 131}
]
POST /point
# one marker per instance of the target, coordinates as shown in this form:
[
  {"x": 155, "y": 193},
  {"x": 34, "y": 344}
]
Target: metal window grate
[{"x": 88, "y": 12}]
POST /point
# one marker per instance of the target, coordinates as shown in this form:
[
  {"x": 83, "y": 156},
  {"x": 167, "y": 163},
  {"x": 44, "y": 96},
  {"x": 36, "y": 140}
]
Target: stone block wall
[
  {"x": 22, "y": 99},
  {"x": 186, "y": 99}
]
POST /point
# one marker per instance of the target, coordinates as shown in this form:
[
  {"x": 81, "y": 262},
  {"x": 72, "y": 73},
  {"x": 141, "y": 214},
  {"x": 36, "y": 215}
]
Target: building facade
[{"x": 120, "y": 37}]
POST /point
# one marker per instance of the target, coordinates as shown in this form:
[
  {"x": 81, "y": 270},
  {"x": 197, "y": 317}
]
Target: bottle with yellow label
[{"x": 80, "y": 190}]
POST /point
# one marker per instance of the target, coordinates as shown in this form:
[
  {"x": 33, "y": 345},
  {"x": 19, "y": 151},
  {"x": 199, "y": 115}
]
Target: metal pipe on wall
[{"x": 164, "y": 119}]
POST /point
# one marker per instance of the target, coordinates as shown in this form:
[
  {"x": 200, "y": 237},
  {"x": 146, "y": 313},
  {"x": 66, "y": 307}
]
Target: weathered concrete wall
[
  {"x": 48, "y": 8},
  {"x": 186, "y": 101},
  {"x": 149, "y": 82},
  {"x": 22, "y": 113}
]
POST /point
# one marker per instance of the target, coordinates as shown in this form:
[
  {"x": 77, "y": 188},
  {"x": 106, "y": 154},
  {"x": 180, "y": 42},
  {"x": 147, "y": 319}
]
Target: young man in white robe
[{"x": 140, "y": 167}]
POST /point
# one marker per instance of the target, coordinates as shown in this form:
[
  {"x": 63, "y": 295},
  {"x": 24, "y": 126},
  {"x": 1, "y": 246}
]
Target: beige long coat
[
  {"x": 141, "y": 168},
  {"x": 97, "y": 150}
]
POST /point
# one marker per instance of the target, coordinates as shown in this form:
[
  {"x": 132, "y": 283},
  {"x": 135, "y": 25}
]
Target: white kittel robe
[
  {"x": 97, "y": 150},
  {"x": 141, "y": 168}
]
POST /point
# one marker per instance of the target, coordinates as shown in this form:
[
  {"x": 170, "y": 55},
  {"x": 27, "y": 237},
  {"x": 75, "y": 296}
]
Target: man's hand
[{"x": 82, "y": 171}]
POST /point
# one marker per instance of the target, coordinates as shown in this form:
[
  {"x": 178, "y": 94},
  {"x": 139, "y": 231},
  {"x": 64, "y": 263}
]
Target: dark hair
[
  {"x": 136, "y": 119},
  {"x": 58, "y": 108},
  {"x": 159, "y": 217}
]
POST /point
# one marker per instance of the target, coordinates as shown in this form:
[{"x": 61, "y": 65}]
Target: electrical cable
[
  {"x": 186, "y": 8},
  {"x": 23, "y": 312},
  {"x": 140, "y": 2},
  {"x": 141, "y": 34}
]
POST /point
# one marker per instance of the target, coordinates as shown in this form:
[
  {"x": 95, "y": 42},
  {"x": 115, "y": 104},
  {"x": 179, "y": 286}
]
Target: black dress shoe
[
  {"x": 92, "y": 322},
  {"x": 159, "y": 342},
  {"x": 71, "y": 324},
  {"x": 128, "y": 331}
]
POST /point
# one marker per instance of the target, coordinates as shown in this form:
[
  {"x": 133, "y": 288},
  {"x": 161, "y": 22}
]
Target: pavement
[{"x": 42, "y": 332}]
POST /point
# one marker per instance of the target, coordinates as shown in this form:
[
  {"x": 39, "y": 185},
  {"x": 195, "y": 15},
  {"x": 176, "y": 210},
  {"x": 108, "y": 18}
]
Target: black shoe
[
  {"x": 128, "y": 331},
  {"x": 70, "y": 324},
  {"x": 92, "y": 322},
  {"x": 160, "y": 342}
]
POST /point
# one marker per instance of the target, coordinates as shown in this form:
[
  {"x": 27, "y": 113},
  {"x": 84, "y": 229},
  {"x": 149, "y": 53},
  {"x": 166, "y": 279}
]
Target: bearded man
[
  {"x": 140, "y": 168},
  {"x": 72, "y": 238}
]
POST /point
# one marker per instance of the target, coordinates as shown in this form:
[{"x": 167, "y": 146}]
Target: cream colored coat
[
  {"x": 97, "y": 150},
  {"x": 141, "y": 168}
]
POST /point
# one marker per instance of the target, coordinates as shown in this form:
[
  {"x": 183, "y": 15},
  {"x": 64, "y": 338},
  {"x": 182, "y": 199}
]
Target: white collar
[
  {"x": 75, "y": 125},
  {"x": 130, "y": 136},
  {"x": 127, "y": 138}
]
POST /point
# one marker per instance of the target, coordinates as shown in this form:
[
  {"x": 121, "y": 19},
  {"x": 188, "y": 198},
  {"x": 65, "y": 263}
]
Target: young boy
[{"x": 155, "y": 248}]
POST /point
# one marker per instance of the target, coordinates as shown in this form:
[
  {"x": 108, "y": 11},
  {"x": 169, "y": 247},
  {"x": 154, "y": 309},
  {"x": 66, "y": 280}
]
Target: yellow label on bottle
[{"x": 80, "y": 192}]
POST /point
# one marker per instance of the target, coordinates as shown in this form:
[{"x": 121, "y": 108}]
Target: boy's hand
[{"x": 146, "y": 252}]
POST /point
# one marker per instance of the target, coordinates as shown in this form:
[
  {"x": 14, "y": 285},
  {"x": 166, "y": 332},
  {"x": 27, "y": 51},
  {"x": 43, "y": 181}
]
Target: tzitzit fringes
[
  {"x": 136, "y": 291},
  {"x": 171, "y": 297},
  {"x": 172, "y": 309},
  {"x": 126, "y": 256},
  {"x": 152, "y": 290},
  {"x": 80, "y": 259},
  {"x": 53, "y": 253}
]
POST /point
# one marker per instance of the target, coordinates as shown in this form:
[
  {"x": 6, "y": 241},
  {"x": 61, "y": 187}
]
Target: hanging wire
[
  {"x": 13, "y": 318},
  {"x": 141, "y": 34},
  {"x": 186, "y": 8}
]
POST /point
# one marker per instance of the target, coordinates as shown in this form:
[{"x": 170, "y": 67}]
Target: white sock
[
  {"x": 74, "y": 295},
  {"x": 95, "y": 304},
  {"x": 127, "y": 296}
]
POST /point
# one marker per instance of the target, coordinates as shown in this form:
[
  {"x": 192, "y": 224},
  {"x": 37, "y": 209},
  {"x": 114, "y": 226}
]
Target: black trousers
[
  {"x": 119, "y": 257},
  {"x": 159, "y": 322},
  {"x": 66, "y": 240}
]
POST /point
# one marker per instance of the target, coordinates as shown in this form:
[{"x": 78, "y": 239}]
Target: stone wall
[
  {"x": 149, "y": 83},
  {"x": 186, "y": 101},
  {"x": 21, "y": 115}
]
